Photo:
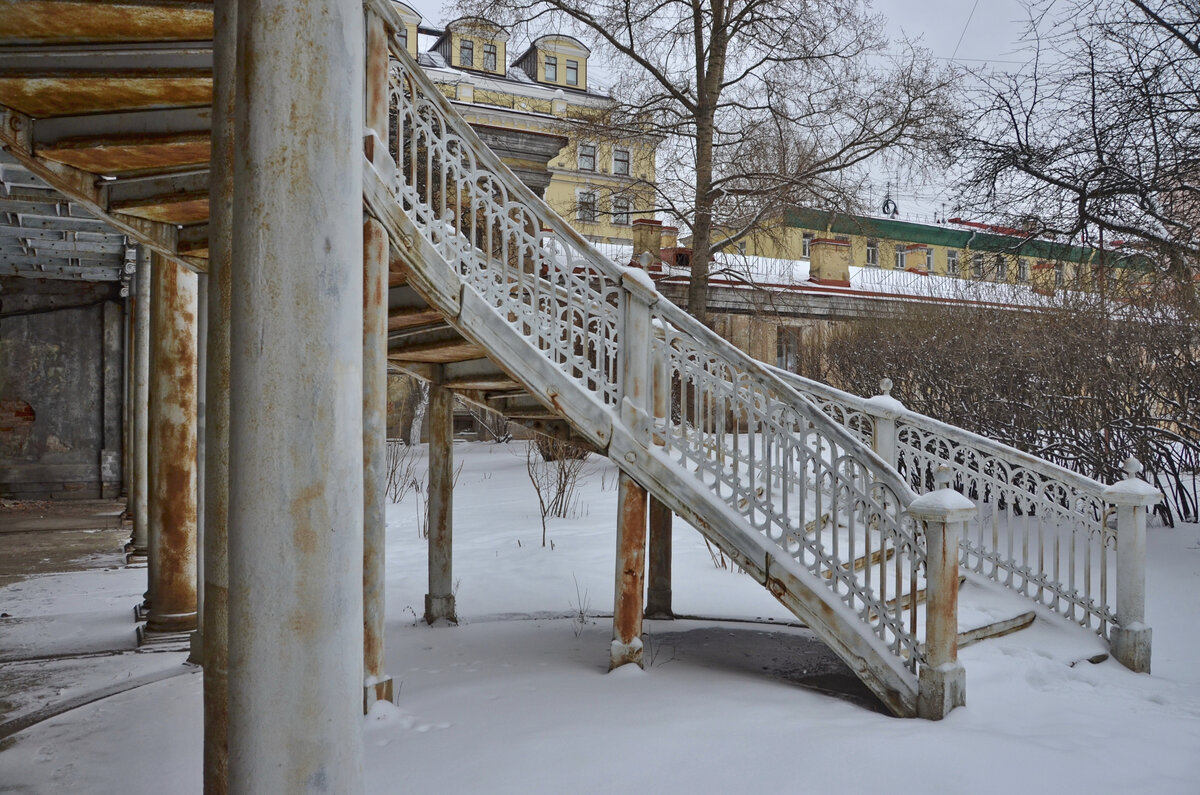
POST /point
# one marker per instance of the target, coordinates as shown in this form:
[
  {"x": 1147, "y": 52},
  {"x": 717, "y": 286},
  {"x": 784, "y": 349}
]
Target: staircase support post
[
  {"x": 377, "y": 685},
  {"x": 631, "y": 574},
  {"x": 1133, "y": 497},
  {"x": 636, "y": 387},
  {"x": 439, "y": 601},
  {"x": 658, "y": 594},
  {"x": 942, "y": 685},
  {"x": 295, "y": 431}
]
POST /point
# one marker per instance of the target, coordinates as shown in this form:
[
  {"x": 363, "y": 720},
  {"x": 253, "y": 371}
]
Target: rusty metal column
[
  {"x": 139, "y": 544},
  {"x": 377, "y": 684},
  {"x": 658, "y": 594},
  {"x": 631, "y": 574},
  {"x": 196, "y": 652},
  {"x": 172, "y": 441},
  {"x": 295, "y": 429},
  {"x": 215, "y": 535},
  {"x": 636, "y": 403},
  {"x": 439, "y": 602}
]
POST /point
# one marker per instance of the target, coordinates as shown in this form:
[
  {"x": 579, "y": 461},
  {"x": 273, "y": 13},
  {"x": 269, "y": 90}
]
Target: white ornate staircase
[{"x": 521, "y": 314}]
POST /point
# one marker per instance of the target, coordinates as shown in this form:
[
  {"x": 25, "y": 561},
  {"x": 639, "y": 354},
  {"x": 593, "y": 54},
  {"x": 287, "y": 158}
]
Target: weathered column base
[
  {"x": 135, "y": 555},
  {"x": 942, "y": 688},
  {"x": 150, "y": 640},
  {"x": 440, "y": 608},
  {"x": 196, "y": 648},
  {"x": 1131, "y": 647},
  {"x": 141, "y": 611},
  {"x": 625, "y": 653},
  {"x": 379, "y": 690}
]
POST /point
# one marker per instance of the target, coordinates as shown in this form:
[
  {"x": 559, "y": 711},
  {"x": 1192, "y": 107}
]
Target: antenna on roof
[{"x": 889, "y": 207}]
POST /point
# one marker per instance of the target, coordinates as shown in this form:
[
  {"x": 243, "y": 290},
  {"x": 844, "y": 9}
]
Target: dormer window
[
  {"x": 572, "y": 73},
  {"x": 466, "y": 54},
  {"x": 587, "y": 157},
  {"x": 552, "y": 73},
  {"x": 489, "y": 57},
  {"x": 620, "y": 156}
]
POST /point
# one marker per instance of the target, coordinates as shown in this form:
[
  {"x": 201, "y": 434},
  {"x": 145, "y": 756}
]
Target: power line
[{"x": 964, "y": 30}]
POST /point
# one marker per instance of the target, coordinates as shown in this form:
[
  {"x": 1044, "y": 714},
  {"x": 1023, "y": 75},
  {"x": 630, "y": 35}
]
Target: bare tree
[
  {"x": 758, "y": 104},
  {"x": 1099, "y": 137}
]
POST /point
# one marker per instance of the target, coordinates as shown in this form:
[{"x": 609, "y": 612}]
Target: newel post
[
  {"x": 628, "y": 609},
  {"x": 1130, "y": 638},
  {"x": 944, "y": 512},
  {"x": 884, "y": 409}
]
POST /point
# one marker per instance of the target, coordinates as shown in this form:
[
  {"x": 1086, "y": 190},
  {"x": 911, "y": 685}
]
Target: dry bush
[
  {"x": 1084, "y": 382},
  {"x": 554, "y": 468}
]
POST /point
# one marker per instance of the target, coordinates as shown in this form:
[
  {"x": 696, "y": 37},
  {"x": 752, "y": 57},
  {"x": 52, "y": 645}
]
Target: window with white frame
[
  {"x": 901, "y": 257},
  {"x": 977, "y": 266},
  {"x": 572, "y": 72},
  {"x": 1001, "y": 268},
  {"x": 929, "y": 259},
  {"x": 586, "y": 201},
  {"x": 1059, "y": 274},
  {"x": 551, "y": 69},
  {"x": 466, "y": 53},
  {"x": 741, "y": 247},
  {"x": 404, "y": 36},
  {"x": 587, "y": 157},
  {"x": 873, "y": 253},
  {"x": 806, "y": 245},
  {"x": 1023, "y": 270},
  {"x": 620, "y": 211},
  {"x": 621, "y": 162},
  {"x": 489, "y": 57},
  {"x": 952, "y": 262}
]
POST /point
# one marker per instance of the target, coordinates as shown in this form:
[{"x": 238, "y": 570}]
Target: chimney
[
  {"x": 647, "y": 236},
  {"x": 670, "y": 236},
  {"x": 829, "y": 261}
]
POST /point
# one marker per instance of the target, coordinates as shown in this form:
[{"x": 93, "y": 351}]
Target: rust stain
[
  {"x": 141, "y": 156},
  {"x": 63, "y": 22},
  {"x": 182, "y": 213},
  {"x": 631, "y": 553},
  {"x": 77, "y": 94}
]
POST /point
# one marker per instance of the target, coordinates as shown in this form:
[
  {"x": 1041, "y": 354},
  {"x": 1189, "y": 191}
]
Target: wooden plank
[{"x": 996, "y": 629}]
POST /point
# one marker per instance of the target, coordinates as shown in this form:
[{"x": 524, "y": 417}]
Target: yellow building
[
  {"x": 962, "y": 249},
  {"x": 597, "y": 184}
]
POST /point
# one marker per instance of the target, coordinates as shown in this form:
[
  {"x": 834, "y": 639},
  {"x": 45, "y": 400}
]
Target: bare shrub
[
  {"x": 555, "y": 476},
  {"x": 494, "y": 424},
  {"x": 402, "y": 465},
  {"x": 1083, "y": 382}
]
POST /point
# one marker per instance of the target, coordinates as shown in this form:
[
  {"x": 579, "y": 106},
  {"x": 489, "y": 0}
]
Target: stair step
[
  {"x": 863, "y": 561},
  {"x": 996, "y": 629}
]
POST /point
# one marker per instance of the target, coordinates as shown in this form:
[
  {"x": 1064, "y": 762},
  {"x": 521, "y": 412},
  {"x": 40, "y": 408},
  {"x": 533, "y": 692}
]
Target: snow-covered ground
[{"x": 516, "y": 698}]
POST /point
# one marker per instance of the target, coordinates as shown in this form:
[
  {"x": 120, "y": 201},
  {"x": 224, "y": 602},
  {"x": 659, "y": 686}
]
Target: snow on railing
[
  {"x": 1046, "y": 532},
  {"x": 801, "y": 480}
]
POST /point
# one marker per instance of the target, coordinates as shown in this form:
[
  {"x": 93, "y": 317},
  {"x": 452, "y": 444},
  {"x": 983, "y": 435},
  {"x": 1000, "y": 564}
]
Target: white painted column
[
  {"x": 376, "y": 683},
  {"x": 439, "y": 601},
  {"x": 295, "y": 429},
  {"x": 885, "y": 409},
  {"x": 140, "y": 542}
]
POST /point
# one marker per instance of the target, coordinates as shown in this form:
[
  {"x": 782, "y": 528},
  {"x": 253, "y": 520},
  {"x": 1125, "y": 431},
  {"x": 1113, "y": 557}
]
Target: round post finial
[
  {"x": 1132, "y": 467},
  {"x": 885, "y": 387},
  {"x": 941, "y": 476},
  {"x": 645, "y": 260}
]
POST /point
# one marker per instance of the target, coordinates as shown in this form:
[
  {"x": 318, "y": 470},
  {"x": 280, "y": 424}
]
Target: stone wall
[{"x": 61, "y": 390}]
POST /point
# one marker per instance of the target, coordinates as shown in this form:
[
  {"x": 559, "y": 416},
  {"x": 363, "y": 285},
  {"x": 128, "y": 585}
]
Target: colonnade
[{"x": 263, "y": 522}]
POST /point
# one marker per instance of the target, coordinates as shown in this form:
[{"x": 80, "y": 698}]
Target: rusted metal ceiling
[{"x": 64, "y": 22}]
